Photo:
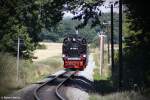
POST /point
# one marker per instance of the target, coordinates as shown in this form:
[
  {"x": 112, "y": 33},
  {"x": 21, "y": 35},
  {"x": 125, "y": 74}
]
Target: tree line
[{"x": 68, "y": 26}]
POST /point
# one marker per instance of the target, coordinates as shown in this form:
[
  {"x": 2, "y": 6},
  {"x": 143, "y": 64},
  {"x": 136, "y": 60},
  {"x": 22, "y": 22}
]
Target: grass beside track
[
  {"x": 28, "y": 72},
  {"x": 106, "y": 68},
  {"x": 126, "y": 95},
  {"x": 103, "y": 85}
]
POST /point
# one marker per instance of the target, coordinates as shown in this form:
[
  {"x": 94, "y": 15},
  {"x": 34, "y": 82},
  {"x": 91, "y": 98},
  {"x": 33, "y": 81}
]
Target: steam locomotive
[{"x": 74, "y": 51}]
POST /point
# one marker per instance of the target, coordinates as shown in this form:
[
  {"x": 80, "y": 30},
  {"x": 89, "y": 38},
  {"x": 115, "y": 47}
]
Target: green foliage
[
  {"x": 26, "y": 19},
  {"x": 12, "y": 27},
  {"x": 136, "y": 56},
  {"x": 135, "y": 61},
  {"x": 137, "y": 16},
  {"x": 127, "y": 95},
  {"x": 106, "y": 68},
  {"x": 137, "y": 45},
  {"x": 53, "y": 62},
  {"x": 30, "y": 17},
  {"x": 9, "y": 41},
  {"x": 96, "y": 74},
  {"x": 67, "y": 26}
]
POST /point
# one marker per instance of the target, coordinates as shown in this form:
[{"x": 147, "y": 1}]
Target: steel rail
[
  {"x": 58, "y": 87},
  {"x": 42, "y": 85}
]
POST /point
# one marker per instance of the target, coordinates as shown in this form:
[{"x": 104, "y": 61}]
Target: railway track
[{"x": 58, "y": 87}]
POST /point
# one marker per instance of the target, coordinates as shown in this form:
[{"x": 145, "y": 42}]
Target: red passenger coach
[{"x": 74, "y": 52}]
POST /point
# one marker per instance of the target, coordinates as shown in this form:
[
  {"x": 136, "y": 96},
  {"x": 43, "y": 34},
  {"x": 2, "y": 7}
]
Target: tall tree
[{"x": 137, "y": 44}]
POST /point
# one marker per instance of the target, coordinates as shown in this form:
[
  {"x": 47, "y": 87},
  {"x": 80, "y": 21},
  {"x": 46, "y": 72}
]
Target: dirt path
[{"x": 53, "y": 49}]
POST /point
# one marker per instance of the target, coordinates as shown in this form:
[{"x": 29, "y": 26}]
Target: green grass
[
  {"x": 54, "y": 63},
  {"x": 28, "y": 72},
  {"x": 96, "y": 74},
  {"x": 126, "y": 95},
  {"x": 106, "y": 69},
  {"x": 96, "y": 56},
  {"x": 98, "y": 77},
  {"x": 48, "y": 66},
  {"x": 8, "y": 75},
  {"x": 104, "y": 86}
]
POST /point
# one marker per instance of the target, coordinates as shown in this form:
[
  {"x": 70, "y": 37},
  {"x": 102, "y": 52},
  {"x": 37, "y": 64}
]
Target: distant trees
[{"x": 68, "y": 26}]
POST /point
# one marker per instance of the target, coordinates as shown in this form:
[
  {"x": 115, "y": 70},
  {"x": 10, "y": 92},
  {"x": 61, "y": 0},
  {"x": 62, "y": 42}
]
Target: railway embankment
[{"x": 76, "y": 88}]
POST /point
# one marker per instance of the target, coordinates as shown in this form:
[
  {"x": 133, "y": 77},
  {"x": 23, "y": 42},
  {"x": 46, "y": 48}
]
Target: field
[
  {"x": 49, "y": 61},
  {"x": 52, "y": 49}
]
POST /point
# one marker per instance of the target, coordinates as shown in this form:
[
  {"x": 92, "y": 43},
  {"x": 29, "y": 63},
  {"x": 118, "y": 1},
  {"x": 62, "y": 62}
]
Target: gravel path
[
  {"x": 88, "y": 71},
  {"x": 23, "y": 94},
  {"x": 76, "y": 94},
  {"x": 70, "y": 92},
  {"x": 79, "y": 93}
]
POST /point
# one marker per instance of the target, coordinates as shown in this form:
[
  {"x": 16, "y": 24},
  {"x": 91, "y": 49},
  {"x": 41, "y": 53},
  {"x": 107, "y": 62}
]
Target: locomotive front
[{"x": 74, "y": 52}]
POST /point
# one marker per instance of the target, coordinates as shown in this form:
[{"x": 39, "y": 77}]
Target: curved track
[{"x": 58, "y": 94}]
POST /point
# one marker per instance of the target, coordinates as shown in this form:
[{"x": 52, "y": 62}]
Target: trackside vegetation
[{"x": 29, "y": 72}]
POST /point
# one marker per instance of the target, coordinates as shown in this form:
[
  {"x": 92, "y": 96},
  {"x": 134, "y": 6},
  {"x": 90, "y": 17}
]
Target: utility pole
[
  {"x": 108, "y": 39},
  {"x": 18, "y": 50},
  {"x": 112, "y": 42},
  {"x": 101, "y": 42},
  {"x": 120, "y": 44}
]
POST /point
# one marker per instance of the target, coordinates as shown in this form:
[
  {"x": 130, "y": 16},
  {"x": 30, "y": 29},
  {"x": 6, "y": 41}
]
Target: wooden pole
[
  {"x": 101, "y": 39},
  {"x": 120, "y": 44},
  {"x": 112, "y": 42},
  {"x": 18, "y": 50},
  {"x": 108, "y": 40}
]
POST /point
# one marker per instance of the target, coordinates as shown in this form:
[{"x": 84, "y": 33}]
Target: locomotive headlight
[
  {"x": 74, "y": 39},
  {"x": 84, "y": 56},
  {"x": 63, "y": 55}
]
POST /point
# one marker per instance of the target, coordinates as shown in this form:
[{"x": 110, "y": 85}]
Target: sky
[{"x": 105, "y": 8}]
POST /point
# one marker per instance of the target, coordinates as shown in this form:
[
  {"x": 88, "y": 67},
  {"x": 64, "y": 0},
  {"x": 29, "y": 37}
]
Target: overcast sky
[{"x": 104, "y": 8}]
